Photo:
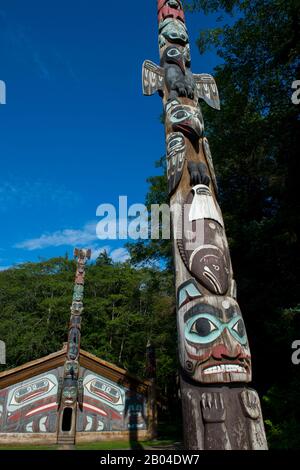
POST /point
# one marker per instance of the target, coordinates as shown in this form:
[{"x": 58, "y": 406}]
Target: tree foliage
[
  {"x": 124, "y": 308},
  {"x": 255, "y": 146}
]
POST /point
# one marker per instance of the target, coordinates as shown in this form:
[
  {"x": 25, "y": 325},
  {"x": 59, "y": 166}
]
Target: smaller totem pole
[{"x": 70, "y": 392}]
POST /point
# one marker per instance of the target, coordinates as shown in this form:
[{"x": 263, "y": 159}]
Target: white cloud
[
  {"x": 85, "y": 237},
  {"x": 120, "y": 255},
  {"x": 69, "y": 237}
]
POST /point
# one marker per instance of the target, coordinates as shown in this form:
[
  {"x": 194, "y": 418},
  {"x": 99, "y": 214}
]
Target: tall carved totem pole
[
  {"x": 70, "y": 393},
  {"x": 220, "y": 411}
]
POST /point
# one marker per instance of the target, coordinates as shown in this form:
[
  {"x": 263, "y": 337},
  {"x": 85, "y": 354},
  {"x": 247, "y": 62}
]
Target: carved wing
[
  {"x": 153, "y": 78},
  {"x": 59, "y": 390},
  {"x": 80, "y": 395},
  {"x": 207, "y": 90}
]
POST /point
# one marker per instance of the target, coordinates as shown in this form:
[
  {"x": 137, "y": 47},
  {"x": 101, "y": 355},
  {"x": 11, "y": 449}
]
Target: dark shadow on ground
[{"x": 135, "y": 416}]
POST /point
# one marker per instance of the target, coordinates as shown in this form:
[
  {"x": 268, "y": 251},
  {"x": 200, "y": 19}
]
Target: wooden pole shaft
[{"x": 219, "y": 410}]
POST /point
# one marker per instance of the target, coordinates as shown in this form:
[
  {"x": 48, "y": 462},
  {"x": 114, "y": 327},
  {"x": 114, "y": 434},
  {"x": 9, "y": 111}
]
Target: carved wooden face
[
  {"x": 78, "y": 293},
  {"x": 73, "y": 344},
  {"x": 185, "y": 119},
  {"x": 77, "y": 308},
  {"x": 174, "y": 55},
  {"x": 173, "y": 31},
  {"x": 71, "y": 369},
  {"x": 170, "y": 9},
  {"x": 213, "y": 340},
  {"x": 69, "y": 395}
]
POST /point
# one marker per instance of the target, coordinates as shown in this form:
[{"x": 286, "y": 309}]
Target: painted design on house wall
[
  {"x": 108, "y": 406},
  {"x": 30, "y": 406}
]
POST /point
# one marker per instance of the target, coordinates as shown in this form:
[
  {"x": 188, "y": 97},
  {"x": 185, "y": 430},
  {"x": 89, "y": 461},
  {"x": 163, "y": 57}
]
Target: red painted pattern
[
  {"x": 97, "y": 410},
  {"x": 90, "y": 402},
  {"x": 164, "y": 11}
]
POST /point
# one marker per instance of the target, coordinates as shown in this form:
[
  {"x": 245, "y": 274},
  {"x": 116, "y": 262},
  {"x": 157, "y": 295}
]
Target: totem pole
[
  {"x": 219, "y": 410},
  {"x": 70, "y": 392}
]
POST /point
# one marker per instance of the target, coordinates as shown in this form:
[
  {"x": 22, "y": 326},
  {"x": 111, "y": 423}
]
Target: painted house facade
[{"x": 115, "y": 404}]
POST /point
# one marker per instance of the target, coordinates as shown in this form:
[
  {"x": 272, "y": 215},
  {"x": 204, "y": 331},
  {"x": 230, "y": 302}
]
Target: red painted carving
[{"x": 165, "y": 11}]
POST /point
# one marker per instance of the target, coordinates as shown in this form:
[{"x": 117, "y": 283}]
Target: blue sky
[{"x": 76, "y": 131}]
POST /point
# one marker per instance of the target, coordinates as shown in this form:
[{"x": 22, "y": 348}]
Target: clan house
[{"x": 73, "y": 396}]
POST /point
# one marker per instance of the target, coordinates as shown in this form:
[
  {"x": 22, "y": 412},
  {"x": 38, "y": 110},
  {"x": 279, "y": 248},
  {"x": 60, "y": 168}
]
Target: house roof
[{"x": 86, "y": 360}]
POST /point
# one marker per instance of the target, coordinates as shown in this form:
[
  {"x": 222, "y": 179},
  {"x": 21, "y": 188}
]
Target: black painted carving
[
  {"x": 203, "y": 246},
  {"x": 176, "y": 150},
  {"x": 198, "y": 174},
  {"x": 179, "y": 79},
  {"x": 205, "y": 87}
]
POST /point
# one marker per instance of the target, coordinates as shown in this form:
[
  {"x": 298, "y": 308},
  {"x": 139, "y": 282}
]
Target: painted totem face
[
  {"x": 185, "y": 119},
  {"x": 69, "y": 396},
  {"x": 170, "y": 8},
  {"x": 175, "y": 158},
  {"x": 71, "y": 369},
  {"x": 77, "y": 308},
  {"x": 80, "y": 274},
  {"x": 173, "y": 31},
  {"x": 73, "y": 343},
  {"x": 78, "y": 293},
  {"x": 213, "y": 340},
  {"x": 174, "y": 55},
  {"x": 82, "y": 254}
]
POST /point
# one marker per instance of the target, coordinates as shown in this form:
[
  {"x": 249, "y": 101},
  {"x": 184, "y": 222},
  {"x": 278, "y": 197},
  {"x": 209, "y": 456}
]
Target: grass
[{"x": 101, "y": 445}]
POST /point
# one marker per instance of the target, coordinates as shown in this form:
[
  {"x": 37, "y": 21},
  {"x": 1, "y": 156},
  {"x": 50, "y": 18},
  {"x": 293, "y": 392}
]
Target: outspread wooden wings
[
  {"x": 154, "y": 81},
  {"x": 207, "y": 89},
  {"x": 153, "y": 78}
]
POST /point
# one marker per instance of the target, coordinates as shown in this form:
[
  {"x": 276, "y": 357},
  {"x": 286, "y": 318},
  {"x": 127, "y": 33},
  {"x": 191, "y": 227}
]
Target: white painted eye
[
  {"x": 174, "y": 53},
  {"x": 180, "y": 116},
  {"x": 239, "y": 327}
]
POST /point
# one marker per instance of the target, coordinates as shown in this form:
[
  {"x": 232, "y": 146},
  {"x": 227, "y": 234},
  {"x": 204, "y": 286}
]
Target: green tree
[
  {"x": 255, "y": 145},
  {"x": 104, "y": 259},
  {"x": 124, "y": 307}
]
